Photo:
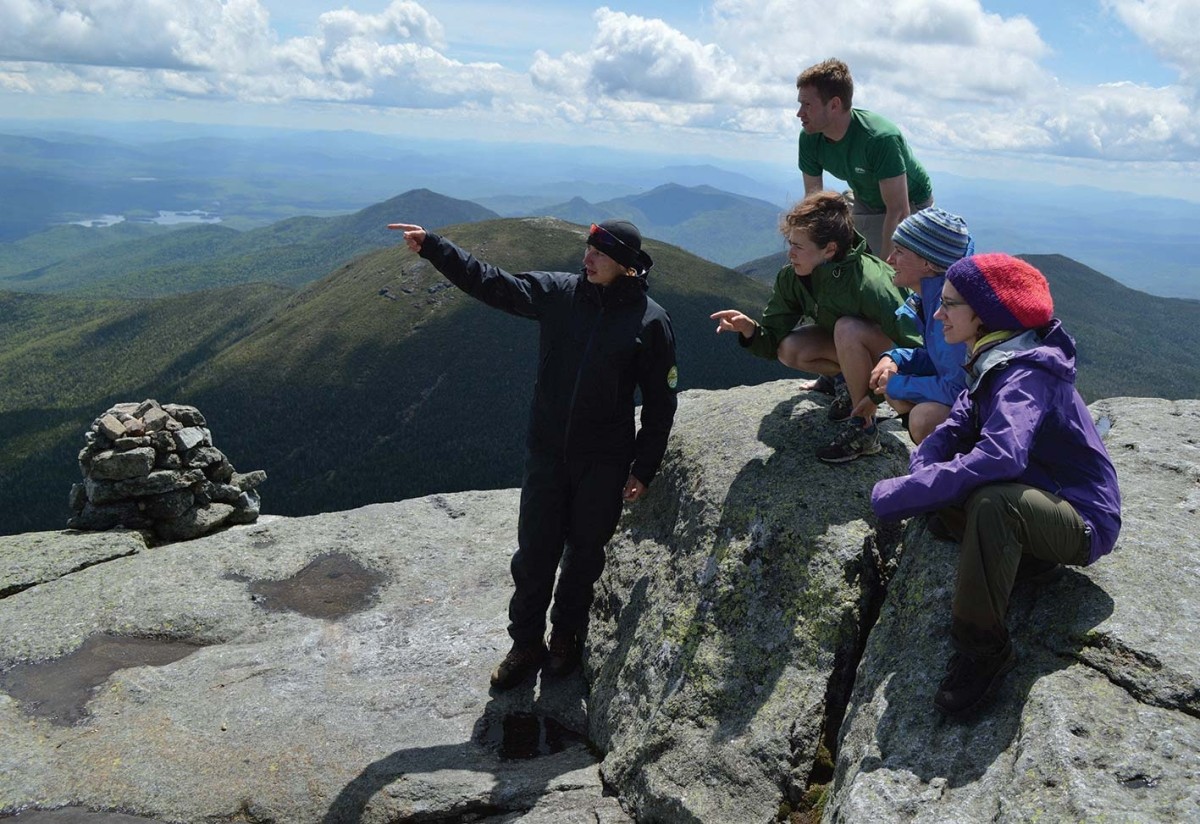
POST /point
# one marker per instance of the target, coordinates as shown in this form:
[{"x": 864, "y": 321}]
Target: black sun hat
[{"x": 621, "y": 241}]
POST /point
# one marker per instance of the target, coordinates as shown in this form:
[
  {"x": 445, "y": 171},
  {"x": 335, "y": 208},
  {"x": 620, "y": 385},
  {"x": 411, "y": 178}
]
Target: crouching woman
[{"x": 1018, "y": 469}]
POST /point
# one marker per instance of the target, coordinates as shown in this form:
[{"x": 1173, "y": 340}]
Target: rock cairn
[{"x": 153, "y": 466}]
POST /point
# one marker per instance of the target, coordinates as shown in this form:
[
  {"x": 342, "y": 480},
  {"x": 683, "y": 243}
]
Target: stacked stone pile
[{"x": 153, "y": 466}]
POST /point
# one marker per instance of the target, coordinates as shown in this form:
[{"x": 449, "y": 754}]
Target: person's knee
[
  {"x": 850, "y": 330},
  {"x": 918, "y": 431},
  {"x": 985, "y": 499},
  {"x": 924, "y": 418},
  {"x": 799, "y": 350},
  {"x": 990, "y": 509}
]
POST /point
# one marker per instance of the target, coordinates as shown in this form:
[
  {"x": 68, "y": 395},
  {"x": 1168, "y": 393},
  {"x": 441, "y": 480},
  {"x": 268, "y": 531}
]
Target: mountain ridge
[
  {"x": 292, "y": 252},
  {"x": 720, "y": 226}
]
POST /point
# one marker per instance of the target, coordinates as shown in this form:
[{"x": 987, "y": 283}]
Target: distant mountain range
[
  {"x": 719, "y": 226},
  {"x": 140, "y": 262},
  {"x": 52, "y": 172}
]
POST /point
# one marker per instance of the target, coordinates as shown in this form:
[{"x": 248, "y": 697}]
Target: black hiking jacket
[{"x": 597, "y": 344}]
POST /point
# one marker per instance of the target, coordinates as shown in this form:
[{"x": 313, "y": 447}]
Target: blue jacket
[
  {"x": 1021, "y": 420},
  {"x": 934, "y": 371}
]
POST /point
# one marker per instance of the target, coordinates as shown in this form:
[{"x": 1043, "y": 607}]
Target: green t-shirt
[{"x": 871, "y": 150}]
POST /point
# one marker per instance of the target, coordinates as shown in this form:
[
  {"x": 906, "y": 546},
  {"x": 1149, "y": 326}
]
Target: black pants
[{"x": 569, "y": 510}]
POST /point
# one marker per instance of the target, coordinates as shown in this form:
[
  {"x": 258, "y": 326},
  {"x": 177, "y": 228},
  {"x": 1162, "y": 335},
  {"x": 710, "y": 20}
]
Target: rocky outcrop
[
  {"x": 323, "y": 669},
  {"x": 758, "y": 643},
  {"x": 733, "y": 609},
  {"x": 1101, "y": 718},
  {"x": 154, "y": 467},
  {"x": 723, "y": 648}
]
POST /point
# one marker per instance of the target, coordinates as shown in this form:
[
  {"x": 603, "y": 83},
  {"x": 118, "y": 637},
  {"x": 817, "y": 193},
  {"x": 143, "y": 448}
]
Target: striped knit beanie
[
  {"x": 1005, "y": 292},
  {"x": 936, "y": 235}
]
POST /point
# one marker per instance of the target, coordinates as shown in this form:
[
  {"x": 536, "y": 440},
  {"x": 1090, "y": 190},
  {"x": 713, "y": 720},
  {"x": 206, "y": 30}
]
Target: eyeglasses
[
  {"x": 605, "y": 241},
  {"x": 950, "y": 303}
]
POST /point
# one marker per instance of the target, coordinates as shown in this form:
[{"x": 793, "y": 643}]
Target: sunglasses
[{"x": 605, "y": 241}]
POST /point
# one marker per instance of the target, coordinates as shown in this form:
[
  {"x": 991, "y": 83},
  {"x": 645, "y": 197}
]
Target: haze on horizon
[{"x": 1101, "y": 93}]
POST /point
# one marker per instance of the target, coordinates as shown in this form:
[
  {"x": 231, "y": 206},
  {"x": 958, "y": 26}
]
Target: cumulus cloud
[
  {"x": 954, "y": 75},
  {"x": 1168, "y": 27},
  {"x": 943, "y": 49},
  {"x": 638, "y": 58},
  {"x": 958, "y": 77},
  {"x": 227, "y": 49},
  {"x": 142, "y": 33},
  {"x": 641, "y": 70}
]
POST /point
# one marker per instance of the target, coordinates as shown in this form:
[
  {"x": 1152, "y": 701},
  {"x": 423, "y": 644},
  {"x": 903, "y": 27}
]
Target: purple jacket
[{"x": 1019, "y": 420}]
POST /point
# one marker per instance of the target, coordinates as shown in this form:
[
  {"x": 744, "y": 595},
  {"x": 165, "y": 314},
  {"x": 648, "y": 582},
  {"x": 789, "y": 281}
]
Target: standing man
[
  {"x": 600, "y": 338},
  {"x": 863, "y": 149}
]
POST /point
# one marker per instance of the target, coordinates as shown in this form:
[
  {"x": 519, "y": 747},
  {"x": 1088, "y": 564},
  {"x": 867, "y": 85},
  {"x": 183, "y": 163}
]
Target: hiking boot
[
  {"x": 842, "y": 404},
  {"x": 851, "y": 442},
  {"x": 822, "y": 383},
  {"x": 565, "y": 653},
  {"x": 522, "y": 661},
  {"x": 1036, "y": 572},
  {"x": 971, "y": 680},
  {"x": 939, "y": 529}
]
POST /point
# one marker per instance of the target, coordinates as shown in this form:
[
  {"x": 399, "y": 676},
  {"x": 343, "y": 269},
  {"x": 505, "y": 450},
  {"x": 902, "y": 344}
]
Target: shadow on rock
[
  {"x": 519, "y": 746},
  {"x": 892, "y": 728},
  {"x": 784, "y": 566},
  {"x": 732, "y": 613}
]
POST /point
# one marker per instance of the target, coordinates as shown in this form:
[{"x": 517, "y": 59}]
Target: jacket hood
[{"x": 1050, "y": 347}]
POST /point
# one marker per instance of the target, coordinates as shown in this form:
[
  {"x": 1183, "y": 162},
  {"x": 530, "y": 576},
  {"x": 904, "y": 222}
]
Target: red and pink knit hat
[{"x": 1005, "y": 292}]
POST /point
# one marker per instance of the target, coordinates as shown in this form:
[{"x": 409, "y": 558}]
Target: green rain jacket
[{"x": 859, "y": 285}]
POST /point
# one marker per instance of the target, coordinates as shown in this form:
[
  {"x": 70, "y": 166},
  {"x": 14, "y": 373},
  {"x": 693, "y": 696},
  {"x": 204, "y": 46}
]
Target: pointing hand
[{"x": 414, "y": 235}]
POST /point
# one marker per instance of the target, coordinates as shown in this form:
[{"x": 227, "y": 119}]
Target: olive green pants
[{"x": 999, "y": 524}]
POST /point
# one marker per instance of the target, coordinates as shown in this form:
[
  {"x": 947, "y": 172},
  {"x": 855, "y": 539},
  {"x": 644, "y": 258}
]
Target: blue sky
[{"x": 1102, "y": 92}]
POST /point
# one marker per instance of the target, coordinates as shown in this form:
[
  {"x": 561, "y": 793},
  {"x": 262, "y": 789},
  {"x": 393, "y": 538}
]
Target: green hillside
[
  {"x": 22, "y": 260},
  {"x": 1129, "y": 343},
  {"x": 291, "y": 252},
  {"x": 378, "y": 382},
  {"x": 64, "y": 360},
  {"x": 764, "y": 268}
]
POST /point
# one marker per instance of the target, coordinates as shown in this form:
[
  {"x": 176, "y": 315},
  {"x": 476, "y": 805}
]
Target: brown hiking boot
[
  {"x": 565, "y": 653},
  {"x": 522, "y": 661}
]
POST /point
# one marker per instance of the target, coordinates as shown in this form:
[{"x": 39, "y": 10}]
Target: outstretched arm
[
  {"x": 731, "y": 320},
  {"x": 520, "y": 294}
]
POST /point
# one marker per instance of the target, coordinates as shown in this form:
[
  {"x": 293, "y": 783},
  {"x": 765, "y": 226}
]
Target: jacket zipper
[{"x": 587, "y": 353}]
